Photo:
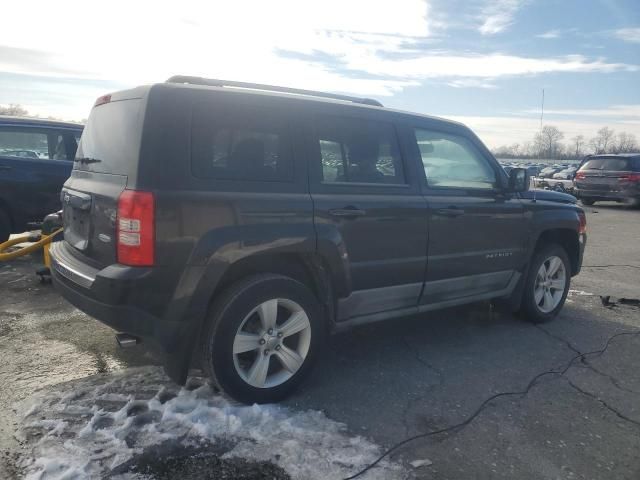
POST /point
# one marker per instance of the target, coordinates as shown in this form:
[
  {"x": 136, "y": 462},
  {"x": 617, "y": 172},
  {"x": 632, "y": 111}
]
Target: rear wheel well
[
  {"x": 308, "y": 269},
  {"x": 567, "y": 239}
]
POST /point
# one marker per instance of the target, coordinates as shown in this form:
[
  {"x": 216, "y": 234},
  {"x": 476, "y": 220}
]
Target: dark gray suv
[
  {"x": 609, "y": 177},
  {"x": 237, "y": 224}
]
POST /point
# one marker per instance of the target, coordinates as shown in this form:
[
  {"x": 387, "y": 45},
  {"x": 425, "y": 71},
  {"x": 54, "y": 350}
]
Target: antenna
[
  {"x": 541, "y": 117},
  {"x": 542, "y": 110}
]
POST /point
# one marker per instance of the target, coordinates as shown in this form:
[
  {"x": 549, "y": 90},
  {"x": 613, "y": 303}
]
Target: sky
[{"x": 482, "y": 62}]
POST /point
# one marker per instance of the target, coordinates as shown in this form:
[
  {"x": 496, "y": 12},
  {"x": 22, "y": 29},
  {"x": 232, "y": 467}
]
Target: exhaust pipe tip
[{"x": 125, "y": 340}]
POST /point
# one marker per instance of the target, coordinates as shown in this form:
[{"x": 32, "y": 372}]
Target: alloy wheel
[
  {"x": 550, "y": 284},
  {"x": 272, "y": 343}
]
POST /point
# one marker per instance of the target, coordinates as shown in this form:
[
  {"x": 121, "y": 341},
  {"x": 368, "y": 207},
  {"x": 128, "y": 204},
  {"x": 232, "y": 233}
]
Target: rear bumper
[
  {"x": 608, "y": 194},
  {"x": 123, "y": 298}
]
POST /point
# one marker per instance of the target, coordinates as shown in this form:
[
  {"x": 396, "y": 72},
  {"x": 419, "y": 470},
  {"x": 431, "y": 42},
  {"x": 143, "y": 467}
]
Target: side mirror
[{"x": 519, "y": 179}]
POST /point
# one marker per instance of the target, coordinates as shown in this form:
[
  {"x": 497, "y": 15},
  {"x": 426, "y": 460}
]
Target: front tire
[
  {"x": 547, "y": 284},
  {"x": 262, "y": 337},
  {"x": 587, "y": 201}
]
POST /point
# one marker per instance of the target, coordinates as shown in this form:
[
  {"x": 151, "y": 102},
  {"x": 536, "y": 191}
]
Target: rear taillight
[
  {"x": 583, "y": 223},
  {"x": 580, "y": 176},
  {"x": 136, "y": 228},
  {"x": 630, "y": 177}
]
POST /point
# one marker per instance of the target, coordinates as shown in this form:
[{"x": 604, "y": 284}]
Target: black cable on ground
[
  {"x": 608, "y": 266},
  {"x": 483, "y": 405}
]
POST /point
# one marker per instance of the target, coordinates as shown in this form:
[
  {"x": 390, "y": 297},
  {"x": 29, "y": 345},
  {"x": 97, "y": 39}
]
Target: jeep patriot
[{"x": 236, "y": 225}]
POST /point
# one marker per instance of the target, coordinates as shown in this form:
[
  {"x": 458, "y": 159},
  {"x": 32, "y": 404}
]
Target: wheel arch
[
  {"x": 310, "y": 269},
  {"x": 565, "y": 237}
]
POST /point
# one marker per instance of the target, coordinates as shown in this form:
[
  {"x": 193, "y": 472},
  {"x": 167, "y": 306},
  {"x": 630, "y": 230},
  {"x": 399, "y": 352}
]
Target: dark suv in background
[
  {"x": 609, "y": 177},
  {"x": 36, "y": 157},
  {"x": 238, "y": 226}
]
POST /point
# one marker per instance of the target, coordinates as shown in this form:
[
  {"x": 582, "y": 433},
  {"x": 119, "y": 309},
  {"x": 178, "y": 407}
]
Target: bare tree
[
  {"x": 14, "y": 110},
  {"x": 578, "y": 143},
  {"x": 547, "y": 141},
  {"x": 603, "y": 141},
  {"x": 625, "y": 143}
]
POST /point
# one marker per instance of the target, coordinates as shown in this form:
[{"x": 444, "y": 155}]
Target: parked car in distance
[
  {"x": 609, "y": 177},
  {"x": 565, "y": 174},
  {"x": 36, "y": 157},
  {"x": 237, "y": 224},
  {"x": 548, "y": 172}
]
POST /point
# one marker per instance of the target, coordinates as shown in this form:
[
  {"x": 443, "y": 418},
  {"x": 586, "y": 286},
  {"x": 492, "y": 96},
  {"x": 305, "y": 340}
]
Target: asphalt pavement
[{"x": 409, "y": 377}]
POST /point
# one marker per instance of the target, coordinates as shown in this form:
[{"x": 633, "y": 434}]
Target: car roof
[
  {"x": 140, "y": 91},
  {"x": 609, "y": 155},
  {"x": 38, "y": 122}
]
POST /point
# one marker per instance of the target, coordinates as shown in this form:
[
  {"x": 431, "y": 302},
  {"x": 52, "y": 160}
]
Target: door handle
[
  {"x": 5, "y": 167},
  {"x": 349, "y": 211},
  {"x": 449, "y": 212}
]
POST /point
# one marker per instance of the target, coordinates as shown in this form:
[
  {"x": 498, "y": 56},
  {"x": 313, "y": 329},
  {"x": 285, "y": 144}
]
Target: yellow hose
[{"x": 44, "y": 240}]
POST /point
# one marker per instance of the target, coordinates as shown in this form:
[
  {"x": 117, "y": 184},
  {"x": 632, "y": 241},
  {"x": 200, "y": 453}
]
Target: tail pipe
[{"x": 125, "y": 340}]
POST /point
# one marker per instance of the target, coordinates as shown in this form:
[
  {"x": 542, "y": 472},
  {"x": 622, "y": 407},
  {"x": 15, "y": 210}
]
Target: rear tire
[
  {"x": 262, "y": 337},
  {"x": 5, "y": 226},
  {"x": 632, "y": 202},
  {"x": 547, "y": 284},
  {"x": 587, "y": 201}
]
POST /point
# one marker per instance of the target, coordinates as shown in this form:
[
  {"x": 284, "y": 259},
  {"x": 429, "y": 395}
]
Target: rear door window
[
  {"x": 359, "y": 151},
  {"x": 35, "y": 144},
  {"x": 246, "y": 143}
]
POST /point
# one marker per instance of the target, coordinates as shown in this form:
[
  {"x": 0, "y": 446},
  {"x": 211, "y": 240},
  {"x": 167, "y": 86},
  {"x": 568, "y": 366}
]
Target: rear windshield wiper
[{"x": 87, "y": 160}]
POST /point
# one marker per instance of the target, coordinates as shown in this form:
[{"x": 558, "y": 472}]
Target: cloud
[
  {"x": 471, "y": 83},
  {"x": 631, "y": 35},
  {"x": 498, "y": 15},
  {"x": 237, "y": 40},
  {"x": 358, "y": 46},
  {"x": 496, "y": 131},
  {"x": 551, "y": 34},
  {"x": 447, "y": 65},
  {"x": 617, "y": 111}
]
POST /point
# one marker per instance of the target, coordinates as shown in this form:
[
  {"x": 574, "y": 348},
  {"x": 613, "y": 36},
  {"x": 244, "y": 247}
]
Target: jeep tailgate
[{"x": 106, "y": 163}]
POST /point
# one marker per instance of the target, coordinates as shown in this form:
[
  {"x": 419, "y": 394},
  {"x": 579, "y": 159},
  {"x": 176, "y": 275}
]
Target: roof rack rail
[{"x": 270, "y": 88}]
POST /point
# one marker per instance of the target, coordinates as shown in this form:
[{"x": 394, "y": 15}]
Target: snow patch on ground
[
  {"x": 88, "y": 427},
  {"x": 580, "y": 293}
]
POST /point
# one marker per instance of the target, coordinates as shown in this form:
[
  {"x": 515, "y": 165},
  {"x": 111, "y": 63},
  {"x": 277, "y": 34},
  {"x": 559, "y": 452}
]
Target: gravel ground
[{"x": 393, "y": 380}]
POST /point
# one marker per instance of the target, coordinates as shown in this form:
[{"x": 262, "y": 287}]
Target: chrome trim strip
[{"x": 72, "y": 274}]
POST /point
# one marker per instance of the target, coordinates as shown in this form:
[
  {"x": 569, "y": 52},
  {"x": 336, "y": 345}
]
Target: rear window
[
  {"x": 111, "y": 138},
  {"x": 610, "y": 164},
  {"x": 240, "y": 143}
]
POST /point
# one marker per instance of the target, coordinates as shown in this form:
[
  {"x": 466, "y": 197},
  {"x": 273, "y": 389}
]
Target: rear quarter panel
[{"x": 204, "y": 225}]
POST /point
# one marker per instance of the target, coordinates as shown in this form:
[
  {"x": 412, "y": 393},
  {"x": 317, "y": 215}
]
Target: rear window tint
[
  {"x": 112, "y": 135},
  {"x": 242, "y": 143},
  {"x": 610, "y": 164}
]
